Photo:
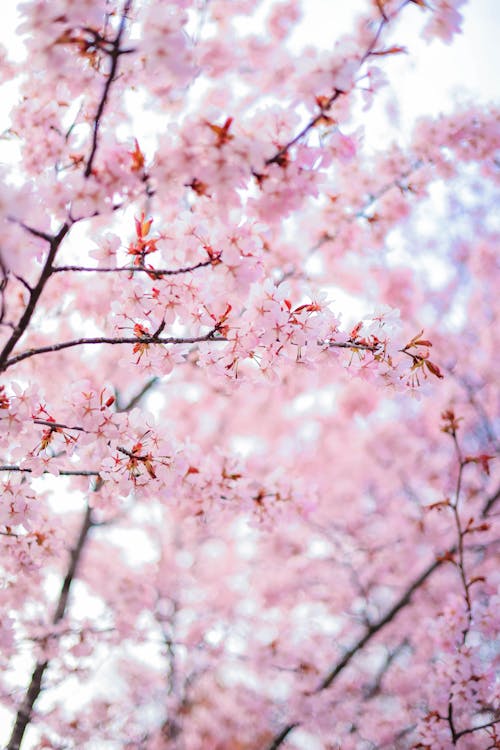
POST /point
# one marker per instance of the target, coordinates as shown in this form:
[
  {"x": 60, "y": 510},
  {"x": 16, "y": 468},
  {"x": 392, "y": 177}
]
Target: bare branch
[
  {"x": 281, "y": 737},
  {"x": 491, "y": 502},
  {"x": 31, "y": 230},
  {"x": 56, "y": 425}
]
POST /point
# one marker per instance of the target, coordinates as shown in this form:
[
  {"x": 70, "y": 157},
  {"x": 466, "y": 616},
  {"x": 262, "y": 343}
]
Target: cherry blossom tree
[{"x": 233, "y": 517}]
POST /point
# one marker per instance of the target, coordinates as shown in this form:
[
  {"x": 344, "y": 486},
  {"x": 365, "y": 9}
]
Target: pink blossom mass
[{"x": 235, "y": 513}]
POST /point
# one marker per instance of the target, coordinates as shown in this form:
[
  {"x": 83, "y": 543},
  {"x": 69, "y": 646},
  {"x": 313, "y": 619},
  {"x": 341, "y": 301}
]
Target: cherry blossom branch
[
  {"x": 326, "y": 104},
  {"x": 210, "y": 336},
  {"x": 402, "y": 602},
  {"x": 451, "y": 426},
  {"x": 114, "y": 53},
  {"x": 157, "y": 273},
  {"x": 369, "y": 634},
  {"x": 34, "y": 294},
  {"x": 457, "y": 734},
  {"x": 397, "y": 183},
  {"x": 339, "y": 667},
  {"x": 278, "y": 156},
  {"x": 24, "y": 713}
]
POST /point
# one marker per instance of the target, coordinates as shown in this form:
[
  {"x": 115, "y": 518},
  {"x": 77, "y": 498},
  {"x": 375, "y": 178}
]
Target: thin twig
[
  {"x": 57, "y": 425},
  {"x": 476, "y": 729}
]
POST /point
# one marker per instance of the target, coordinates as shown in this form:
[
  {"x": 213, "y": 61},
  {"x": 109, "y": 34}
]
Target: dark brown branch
[
  {"x": 34, "y": 296},
  {"x": 374, "y": 689},
  {"x": 31, "y": 230},
  {"x": 114, "y": 54},
  {"x": 108, "y": 340},
  {"x": 278, "y": 156},
  {"x": 157, "y": 273},
  {"x": 449, "y": 719},
  {"x": 354, "y": 345},
  {"x": 24, "y": 282},
  {"x": 23, "y": 717}
]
